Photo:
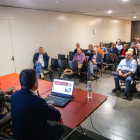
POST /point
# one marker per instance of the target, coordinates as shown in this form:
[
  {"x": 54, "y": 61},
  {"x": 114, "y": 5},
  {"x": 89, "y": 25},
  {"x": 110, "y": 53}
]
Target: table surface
[{"x": 74, "y": 113}]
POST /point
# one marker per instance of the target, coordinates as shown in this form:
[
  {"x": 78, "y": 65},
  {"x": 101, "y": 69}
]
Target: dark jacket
[
  {"x": 88, "y": 54},
  {"x": 99, "y": 59},
  {"x": 122, "y": 51},
  {"x": 29, "y": 114},
  {"x": 45, "y": 58},
  {"x": 114, "y": 51},
  {"x": 75, "y": 51}
]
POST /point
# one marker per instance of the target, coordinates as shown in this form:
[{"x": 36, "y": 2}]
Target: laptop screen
[{"x": 62, "y": 87}]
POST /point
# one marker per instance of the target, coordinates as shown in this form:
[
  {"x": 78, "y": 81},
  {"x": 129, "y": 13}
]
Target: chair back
[
  {"x": 73, "y": 65},
  {"x": 54, "y": 63},
  {"x": 69, "y": 58},
  {"x": 71, "y": 53},
  {"x": 84, "y": 51},
  {"x": 61, "y": 56},
  {"x": 123, "y": 42},
  {"x": 62, "y": 64}
]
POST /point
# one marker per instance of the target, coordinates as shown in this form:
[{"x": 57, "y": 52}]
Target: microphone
[
  {"x": 89, "y": 90},
  {"x": 38, "y": 93},
  {"x": 89, "y": 85}
]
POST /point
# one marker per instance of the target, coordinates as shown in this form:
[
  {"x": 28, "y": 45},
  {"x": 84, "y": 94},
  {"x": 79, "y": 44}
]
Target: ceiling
[{"x": 121, "y": 9}]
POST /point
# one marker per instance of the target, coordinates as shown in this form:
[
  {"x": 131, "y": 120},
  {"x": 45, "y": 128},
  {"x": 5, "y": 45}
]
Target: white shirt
[
  {"x": 119, "y": 47},
  {"x": 40, "y": 59}
]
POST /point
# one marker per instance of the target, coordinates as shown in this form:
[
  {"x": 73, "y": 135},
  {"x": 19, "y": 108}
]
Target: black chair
[
  {"x": 62, "y": 64},
  {"x": 69, "y": 58},
  {"x": 84, "y": 51},
  {"x": 97, "y": 70},
  {"x": 71, "y": 53},
  {"x": 123, "y": 42},
  {"x": 61, "y": 56}
]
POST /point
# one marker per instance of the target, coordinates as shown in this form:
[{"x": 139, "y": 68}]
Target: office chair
[
  {"x": 71, "y": 53},
  {"x": 54, "y": 63},
  {"x": 123, "y": 42},
  {"x": 61, "y": 56},
  {"x": 69, "y": 58}
]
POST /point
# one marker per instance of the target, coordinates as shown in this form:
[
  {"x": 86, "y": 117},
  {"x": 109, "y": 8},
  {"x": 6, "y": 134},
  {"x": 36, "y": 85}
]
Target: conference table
[{"x": 74, "y": 113}]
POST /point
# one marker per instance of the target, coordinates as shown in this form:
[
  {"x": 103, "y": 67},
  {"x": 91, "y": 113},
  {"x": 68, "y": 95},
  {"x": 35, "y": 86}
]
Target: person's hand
[
  {"x": 15, "y": 90},
  {"x": 125, "y": 75},
  {"x": 120, "y": 73},
  {"x": 51, "y": 105},
  {"x": 94, "y": 62},
  {"x": 43, "y": 51},
  {"x": 37, "y": 61}
]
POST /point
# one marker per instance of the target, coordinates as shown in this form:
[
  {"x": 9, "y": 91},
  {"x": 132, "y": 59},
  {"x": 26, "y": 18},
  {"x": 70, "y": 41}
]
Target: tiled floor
[{"x": 116, "y": 118}]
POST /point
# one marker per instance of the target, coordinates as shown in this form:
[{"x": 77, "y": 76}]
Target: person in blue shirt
[
  {"x": 113, "y": 54},
  {"x": 125, "y": 70},
  {"x": 40, "y": 61},
  {"x": 30, "y": 113},
  {"x": 89, "y": 51}
]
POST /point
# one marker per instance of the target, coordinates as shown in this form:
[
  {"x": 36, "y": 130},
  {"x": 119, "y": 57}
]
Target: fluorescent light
[
  {"x": 109, "y": 12},
  {"x": 125, "y": 0},
  {"x": 134, "y": 17}
]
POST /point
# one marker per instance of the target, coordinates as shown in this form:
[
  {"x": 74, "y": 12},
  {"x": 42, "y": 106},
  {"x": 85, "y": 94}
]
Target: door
[{"x": 6, "y": 52}]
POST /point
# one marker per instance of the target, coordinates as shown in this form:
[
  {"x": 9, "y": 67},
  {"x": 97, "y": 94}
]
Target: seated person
[
  {"x": 124, "y": 50},
  {"x": 89, "y": 50},
  {"x": 40, "y": 61},
  {"x": 77, "y": 46},
  {"x": 113, "y": 54},
  {"x": 135, "y": 44},
  {"x": 102, "y": 47},
  {"x": 119, "y": 46},
  {"x": 126, "y": 68},
  {"x": 95, "y": 62},
  {"x": 80, "y": 57},
  {"x": 132, "y": 50},
  {"x": 30, "y": 113},
  {"x": 99, "y": 50}
]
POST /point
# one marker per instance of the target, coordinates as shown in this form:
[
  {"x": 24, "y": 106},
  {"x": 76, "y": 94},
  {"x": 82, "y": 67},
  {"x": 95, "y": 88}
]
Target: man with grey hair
[
  {"x": 135, "y": 44},
  {"x": 89, "y": 51},
  {"x": 95, "y": 62},
  {"x": 40, "y": 61},
  {"x": 126, "y": 68}
]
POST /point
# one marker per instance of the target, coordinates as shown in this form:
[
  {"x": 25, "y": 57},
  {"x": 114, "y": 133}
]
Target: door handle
[{"x": 12, "y": 59}]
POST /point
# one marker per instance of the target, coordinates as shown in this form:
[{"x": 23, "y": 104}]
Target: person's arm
[
  {"x": 82, "y": 59},
  {"x": 120, "y": 72},
  {"x": 120, "y": 66},
  {"x": 74, "y": 58},
  {"x": 133, "y": 67},
  {"x": 46, "y": 56},
  {"x": 48, "y": 112}
]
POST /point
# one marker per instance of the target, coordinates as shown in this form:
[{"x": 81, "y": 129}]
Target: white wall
[{"x": 57, "y": 32}]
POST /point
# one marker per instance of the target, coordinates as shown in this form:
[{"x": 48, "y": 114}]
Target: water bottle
[{"x": 89, "y": 90}]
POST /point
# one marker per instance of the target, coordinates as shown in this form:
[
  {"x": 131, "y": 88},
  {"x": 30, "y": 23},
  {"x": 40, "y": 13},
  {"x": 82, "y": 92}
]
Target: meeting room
[{"x": 69, "y": 69}]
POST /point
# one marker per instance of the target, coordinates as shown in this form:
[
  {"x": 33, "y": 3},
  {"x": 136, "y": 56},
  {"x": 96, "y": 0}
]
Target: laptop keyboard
[{"x": 58, "y": 101}]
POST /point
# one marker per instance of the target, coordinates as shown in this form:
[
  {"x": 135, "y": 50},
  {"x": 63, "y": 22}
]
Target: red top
[{"x": 123, "y": 53}]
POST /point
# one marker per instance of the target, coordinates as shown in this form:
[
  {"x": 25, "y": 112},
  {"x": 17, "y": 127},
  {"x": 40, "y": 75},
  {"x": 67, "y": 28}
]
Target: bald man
[
  {"x": 99, "y": 50},
  {"x": 126, "y": 68}
]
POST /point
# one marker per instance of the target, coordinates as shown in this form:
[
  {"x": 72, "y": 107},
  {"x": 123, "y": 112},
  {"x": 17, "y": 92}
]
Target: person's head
[
  {"x": 114, "y": 45},
  {"x": 98, "y": 47},
  {"x": 77, "y": 45},
  {"x": 2, "y": 103},
  {"x": 95, "y": 50},
  {"x": 79, "y": 50},
  {"x": 41, "y": 50},
  {"x": 125, "y": 46},
  {"x": 29, "y": 79},
  {"x": 128, "y": 55},
  {"x": 90, "y": 46},
  {"x": 131, "y": 50},
  {"x": 101, "y": 44},
  {"x": 136, "y": 40},
  {"x": 119, "y": 42}
]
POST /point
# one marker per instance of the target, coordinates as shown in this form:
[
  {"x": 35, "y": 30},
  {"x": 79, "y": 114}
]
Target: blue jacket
[
  {"x": 114, "y": 51},
  {"x": 29, "y": 114},
  {"x": 99, "y": 59},
  {"x": 45, "y": 58},
  {"x": 88, "y": 54}
]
